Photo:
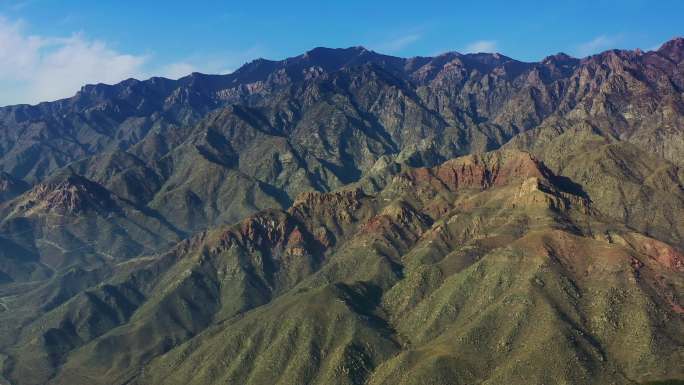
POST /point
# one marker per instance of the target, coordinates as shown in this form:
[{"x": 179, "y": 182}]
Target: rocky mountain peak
[
  {"x": 71, "y": 194},
  {"x": 673, "y": 49},
  {"x": 560, "y": 58},
  {"x": 326, "y": 52},
  {"x": 479, "y": 171}
]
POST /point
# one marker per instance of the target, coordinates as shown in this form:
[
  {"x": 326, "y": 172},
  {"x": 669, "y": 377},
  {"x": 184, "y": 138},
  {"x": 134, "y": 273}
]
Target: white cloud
[
  {"x": 19, "y": 5},
  {"x": 218, "y": 63},
  {"x": 597, "y": 44},
  {"x": 43, "y": 68},
  {"x": 176, "y": 70},
  {"x": 36, "y": 68},
  {"x": 18, "y": 53},
  {"x": 488, "y": 46},
  {"x": 225, "y": 62},
  {"x": 399, "y": 43},
  {"x": 74, "y": 62}
]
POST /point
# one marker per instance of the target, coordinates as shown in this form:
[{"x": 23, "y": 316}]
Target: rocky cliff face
[{"x": 340, "y": 217}]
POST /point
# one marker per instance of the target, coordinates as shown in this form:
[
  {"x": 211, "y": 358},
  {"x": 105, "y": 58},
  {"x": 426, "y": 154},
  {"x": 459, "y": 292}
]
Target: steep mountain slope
[
  {"x": 314, "y": 220},
  {"x": 322, "y": 119},
  {"x": 482, "y": 269},
  {"x": 69, "y": 220},
  {"x": 11, "y": 187},
  {"x": 625, "y": 182}
]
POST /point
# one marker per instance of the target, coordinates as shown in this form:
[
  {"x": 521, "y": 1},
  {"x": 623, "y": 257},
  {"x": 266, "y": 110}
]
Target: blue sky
[{"x": 49, "y": 48}]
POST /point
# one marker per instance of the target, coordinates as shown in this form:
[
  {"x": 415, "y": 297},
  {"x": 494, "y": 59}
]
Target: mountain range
[{"x": 348, "y": 217}]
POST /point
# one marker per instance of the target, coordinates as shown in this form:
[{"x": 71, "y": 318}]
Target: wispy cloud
[
  {"x": 223, "y": 62},
  {"x": 597, "y": 44},
  {"x": 398, "y": 43},
  {"x": 176, "y": 70},
  {"x": 37, "y": 68},
  {"x": 488, "y": 46},
  {"x": 19, "y": 5}
]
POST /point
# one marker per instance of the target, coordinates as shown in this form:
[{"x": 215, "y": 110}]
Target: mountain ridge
[
  {"x": 348, "y": 217},
  {"x": 675, "y": 44}
]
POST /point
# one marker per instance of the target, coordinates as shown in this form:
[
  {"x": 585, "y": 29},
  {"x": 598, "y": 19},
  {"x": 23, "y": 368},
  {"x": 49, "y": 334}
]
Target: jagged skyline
[{"x": 50, "y": 49}]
